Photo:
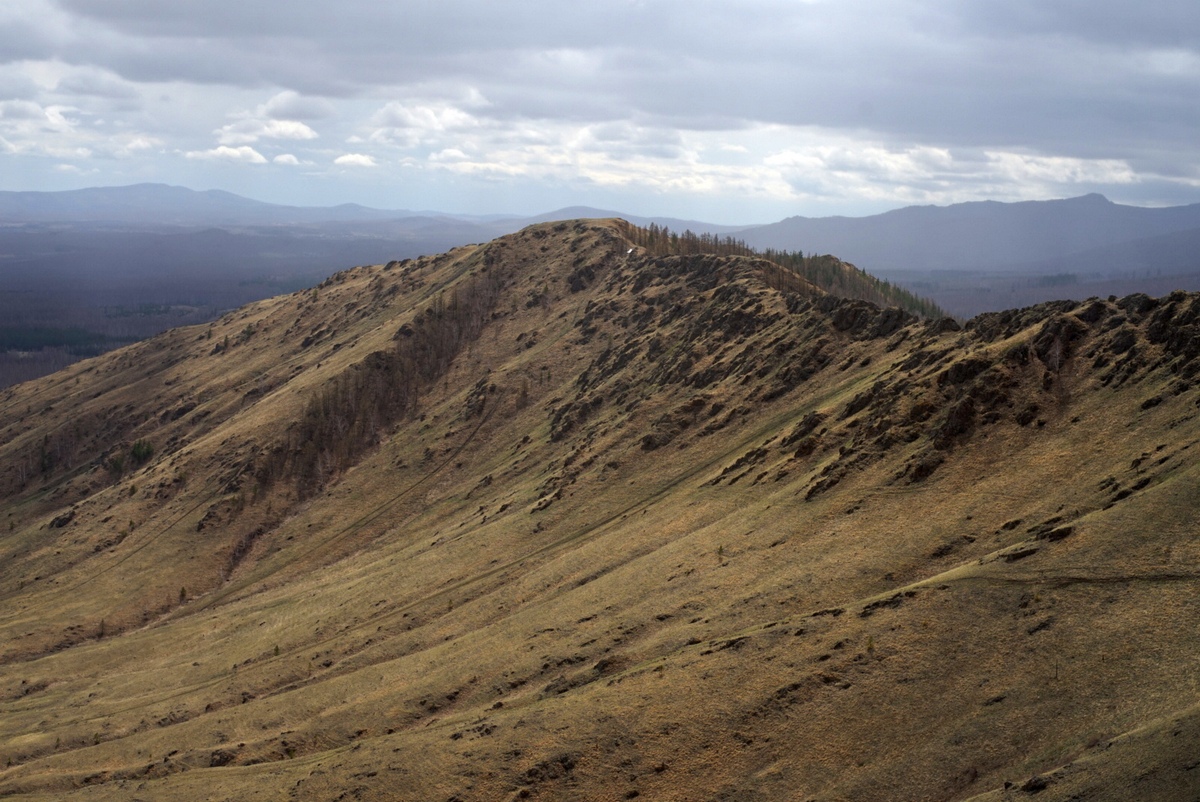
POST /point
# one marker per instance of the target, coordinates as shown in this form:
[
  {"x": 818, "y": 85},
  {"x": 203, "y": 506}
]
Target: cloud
[
  {"x": 286, "y": 158},
  {"x": 423, "y": 117},
  {"x": 74, "y": 170},
  {"x": 28, "y": 128},
  {"x": 448, "y": 155},
  {"x": 408, "y": 124},
  {"x": 14, "y": 85},
  {"x": 624, "y": 140},
  {"x": 21, "y": 110},
  {"x": 893, "y": 100},
  {"x": 291, "y": 105},
  {"x": 355, "y": 160},
  {"x": 131, "y": 145},
  {"x": 244, "y": 154},
  {"x": 244, "y": 132},
  {"x": 28, "y": 30},
  {"x": 66, "y": 133},
  {"x": 1169, "y": 22},
  {"x": 923, "y": 175},
  {"x": 96, "y": 83}
]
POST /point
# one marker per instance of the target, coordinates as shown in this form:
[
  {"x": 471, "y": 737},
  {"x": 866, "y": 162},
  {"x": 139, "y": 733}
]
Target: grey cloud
[
  {"x": 1163, "y": 23},
  {"x": 291, "y": 105},
  {"x": 23, "y": 39},
  {"x": 21, "y": 110},
  {"x": 622, "y": 140},
  {"x": 1095, "y": 79},
  {"x": 966, "y": 73},
  {"x": 14, "y": 86},
  {"x": 356, "y": 42},
  {"x": 189, "y": 18},
  {"x": 96, "y": 84}
]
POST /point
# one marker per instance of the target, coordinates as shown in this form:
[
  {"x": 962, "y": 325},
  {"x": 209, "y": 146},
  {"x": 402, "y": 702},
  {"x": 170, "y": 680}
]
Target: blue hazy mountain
[{"x": 985, "y": 235}]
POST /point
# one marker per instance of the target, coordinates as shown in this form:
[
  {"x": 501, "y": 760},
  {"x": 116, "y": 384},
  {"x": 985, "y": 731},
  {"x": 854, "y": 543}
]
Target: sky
[{"x": 729, "y": 112}]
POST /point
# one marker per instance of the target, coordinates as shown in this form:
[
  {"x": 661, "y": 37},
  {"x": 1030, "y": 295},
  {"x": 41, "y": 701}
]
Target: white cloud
[
  {"x": 1057, "y": 170},
  {"x": 355, "y": 160},
  {"x": 432, "y": 118},
  {"x": 247, "y": 132},
  {"x": 131, "y": 145},
  {"x": 74, "y": 170},
  {"x": 448, "y": 155},
  {"x": 286, "y": 158},
  {"x": 409, "y": 125},
  {"x": 618, "y": 156},
  {"x": 919, "y": 174},
  {"x": 29, "y": 128},
  {"x": 244, "y": 154},
  {"x": 771, "y": 164}
]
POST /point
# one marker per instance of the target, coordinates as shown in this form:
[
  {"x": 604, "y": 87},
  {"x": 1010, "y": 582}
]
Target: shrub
[{"x": 141, "y": 451}]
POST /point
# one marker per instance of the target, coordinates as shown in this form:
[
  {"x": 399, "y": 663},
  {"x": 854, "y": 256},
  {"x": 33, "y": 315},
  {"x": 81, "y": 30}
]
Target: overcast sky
[{"x": 731, "y": 112}]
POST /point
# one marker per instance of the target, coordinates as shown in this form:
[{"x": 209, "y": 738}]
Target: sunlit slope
[{"x": 552, "y": 518}]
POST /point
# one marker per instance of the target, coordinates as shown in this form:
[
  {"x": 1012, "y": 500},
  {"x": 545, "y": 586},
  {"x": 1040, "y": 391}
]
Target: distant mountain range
[
  {"x": 989, "y": 235},
  {"x": 1032, "y": 235},
  {"x": 163, "y": 205},
  {"x": 159, "y": 204},
  {"x": 969, "y": 257}
]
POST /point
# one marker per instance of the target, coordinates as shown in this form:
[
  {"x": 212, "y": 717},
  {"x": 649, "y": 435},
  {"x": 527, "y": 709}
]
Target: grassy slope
[{"x": 497, "y": 604}]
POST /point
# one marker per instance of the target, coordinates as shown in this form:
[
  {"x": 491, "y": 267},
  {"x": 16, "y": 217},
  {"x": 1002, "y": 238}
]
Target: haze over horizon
[{"x": 734, "y": 114}]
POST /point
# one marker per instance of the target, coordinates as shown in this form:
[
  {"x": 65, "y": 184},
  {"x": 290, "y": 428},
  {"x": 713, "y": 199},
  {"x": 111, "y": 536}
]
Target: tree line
[
  {"x": 827, "y": 272},
  {"x": 349, "y": 415}
]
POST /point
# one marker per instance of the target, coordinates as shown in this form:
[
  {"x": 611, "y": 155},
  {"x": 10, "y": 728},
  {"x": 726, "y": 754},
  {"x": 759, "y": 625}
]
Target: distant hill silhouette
[
  {"x": 976, "y": 236},
  {"x": 150, "y": 204}
]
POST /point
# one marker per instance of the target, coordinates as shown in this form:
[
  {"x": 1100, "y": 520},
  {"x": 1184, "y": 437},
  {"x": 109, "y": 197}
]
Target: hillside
[{"x": 557, "y": 517}]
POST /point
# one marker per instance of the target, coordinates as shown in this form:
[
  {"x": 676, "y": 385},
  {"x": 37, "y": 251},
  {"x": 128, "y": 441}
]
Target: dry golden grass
[{"x": 493, "y": 604}]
